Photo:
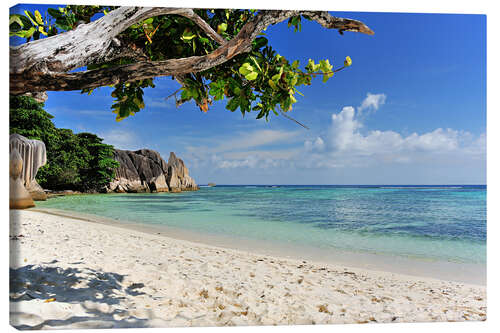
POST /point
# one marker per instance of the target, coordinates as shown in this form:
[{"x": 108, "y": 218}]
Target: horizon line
[{"x": 344, "y": 184}]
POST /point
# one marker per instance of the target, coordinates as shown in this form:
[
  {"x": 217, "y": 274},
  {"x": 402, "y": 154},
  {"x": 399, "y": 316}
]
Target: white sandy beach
[{"x": 70, "y": 273}]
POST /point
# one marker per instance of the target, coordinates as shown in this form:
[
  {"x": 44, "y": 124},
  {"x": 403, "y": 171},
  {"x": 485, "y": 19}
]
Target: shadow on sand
[{"x": 31, "y": 283}]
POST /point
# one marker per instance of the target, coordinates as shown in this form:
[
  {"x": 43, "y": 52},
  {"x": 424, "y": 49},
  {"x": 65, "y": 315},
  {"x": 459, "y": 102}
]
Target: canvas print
[{"x": 175, "y": 167}]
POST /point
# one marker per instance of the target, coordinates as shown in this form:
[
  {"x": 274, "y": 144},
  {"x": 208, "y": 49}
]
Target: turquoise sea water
[{"x": 445, "y": 223}]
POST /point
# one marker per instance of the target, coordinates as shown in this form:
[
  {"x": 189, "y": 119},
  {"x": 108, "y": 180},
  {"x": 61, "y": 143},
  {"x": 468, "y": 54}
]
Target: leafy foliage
[
  {"x": 34, "y": 25},
  {"x": 79, "y": 162},
  {"x": 98, "y": 166},
  {"x": 129, "y": 98},
  {"x": 261, "y": 80}
]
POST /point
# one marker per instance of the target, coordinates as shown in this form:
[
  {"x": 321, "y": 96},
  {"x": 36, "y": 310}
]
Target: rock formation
[
  {"x": 33, "y": 155},
  {"x": 145, "y": 170},
  {"x": 178, "y": 175},
  {"x": 19, "y": 197}
]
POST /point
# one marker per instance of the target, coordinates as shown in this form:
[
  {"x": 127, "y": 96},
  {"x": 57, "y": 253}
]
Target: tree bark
[{"x": 45, "y": 64}]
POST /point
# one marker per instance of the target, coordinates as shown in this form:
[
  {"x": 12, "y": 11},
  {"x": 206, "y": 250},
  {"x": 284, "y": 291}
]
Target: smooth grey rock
[
  {"x": 178, "y": 178},
  {"x": 19, "y": 197},
  {"x": 33, "y": 155},
  {"x": 145, "y": 170}
]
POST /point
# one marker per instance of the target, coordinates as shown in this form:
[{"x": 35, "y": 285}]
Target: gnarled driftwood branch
[{"x": 45, "y": 64}]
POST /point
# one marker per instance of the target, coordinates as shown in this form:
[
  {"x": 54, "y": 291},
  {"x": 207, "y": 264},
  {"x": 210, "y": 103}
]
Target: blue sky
[{"x": 410, "y": 110}]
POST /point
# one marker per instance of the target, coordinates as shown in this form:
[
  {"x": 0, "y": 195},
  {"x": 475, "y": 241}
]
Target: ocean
[{"x": 431, "y": 223}]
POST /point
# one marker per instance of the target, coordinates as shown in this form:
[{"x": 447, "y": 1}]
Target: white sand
[{"x": 104, "y": 276}]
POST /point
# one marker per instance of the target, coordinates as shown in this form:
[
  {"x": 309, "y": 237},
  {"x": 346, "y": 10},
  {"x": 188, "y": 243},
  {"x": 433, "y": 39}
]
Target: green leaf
[
  {"x": 295, "y": 64},
  {"x": 324, "y": 66},
  {"x": 187, "y": 35},
  {"x": 204, "y": 40},
  {"x": 232, "y": 86},
  {"x": 285, "y": 105},
  {"x": 40, "y": 28},
  {"x": 347, "y": 61},
  {"x": 256, "y": 63},
  {"x": 217, "y": 90},
  {"x": 194, "y": 92},
  {"x": 327, "y": 76},
  {"x": 25, "y": 33},
  {"x": 273, "y": 85},
  {"x": 62, "y": 23},
  {"x": 54, "y": 13},
  {"x": 233, "y": 104},
  {"x": 185, "y": 95},
  {"x": 246, "y": 69},
  {"x": 221, "y": 28},
  {"x": 16, "y": 19},
  {"x": 26, "y": 21},
  {"x": 251, "y": 76},
  {"x": 312, "y": 67},
  {"x": 261, "y": 114},
  {"x": 38, "y": 17},
  {"x": 260, "y": 42},
  {"x": 28, "y": 14},
  {"x": 259, "y": 106}
]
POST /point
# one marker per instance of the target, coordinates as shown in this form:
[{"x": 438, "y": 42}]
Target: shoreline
[
  {"x": 70, "y": 273},
  {"x": 469, "y": 273}
]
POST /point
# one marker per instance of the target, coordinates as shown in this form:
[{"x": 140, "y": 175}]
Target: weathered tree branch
[
  {"x": 44, "y": 64},
  {"x": 339, "y": 23},
  {"x": 88, "y": 43}
]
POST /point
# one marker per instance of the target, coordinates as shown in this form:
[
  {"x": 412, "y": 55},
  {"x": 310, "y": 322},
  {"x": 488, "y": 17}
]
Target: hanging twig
[
  {"x": 292, "y": 119},
  {"x": 173, "y": 94}
]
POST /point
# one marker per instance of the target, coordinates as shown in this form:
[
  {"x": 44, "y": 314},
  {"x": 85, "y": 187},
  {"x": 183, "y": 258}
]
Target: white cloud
[
  {"x": 372, "y": 102},
  {"x": 344, "y": 135},
  {"x": 348, "y": 152},
  {"x": 345, "y": 144},
  {"x": 344, "y": 128},
  {"x": 159, "y": 102},
  {"x": 244, "y": 141},
  {"x": 279, "y": 154},
  {"x": 121, "y": 139},
  {"x": 314, "y": 145},
  {"x": 262, "y": 159},
  {"x": 252, "y": 161},
  {"x": 238, "y": 150},
  {"x": 257, "y": 139}
]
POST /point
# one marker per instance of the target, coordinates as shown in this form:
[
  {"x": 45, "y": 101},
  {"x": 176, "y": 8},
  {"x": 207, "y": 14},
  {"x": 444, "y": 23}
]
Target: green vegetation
[
  {"x": 259, "y": 81},
  {"x": 74, "y": 161}
]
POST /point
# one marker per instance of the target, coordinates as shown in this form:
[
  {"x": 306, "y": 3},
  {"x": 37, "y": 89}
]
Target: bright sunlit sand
[{"x": 67, "y": 272}]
